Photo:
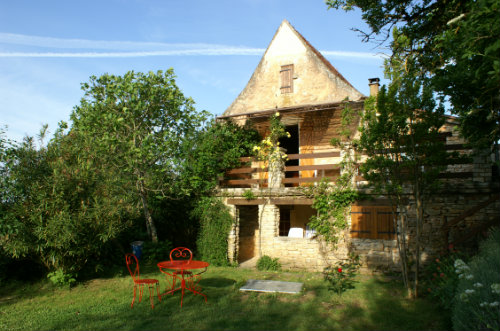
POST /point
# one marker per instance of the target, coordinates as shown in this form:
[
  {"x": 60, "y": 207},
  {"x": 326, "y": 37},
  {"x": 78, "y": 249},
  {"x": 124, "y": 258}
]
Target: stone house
[{"x": 294, "y": 79}]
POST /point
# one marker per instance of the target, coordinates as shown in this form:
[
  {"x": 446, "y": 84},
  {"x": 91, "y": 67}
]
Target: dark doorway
[
  {"x": 249, "y": 227},
  {"x": 291, "y": 146}
]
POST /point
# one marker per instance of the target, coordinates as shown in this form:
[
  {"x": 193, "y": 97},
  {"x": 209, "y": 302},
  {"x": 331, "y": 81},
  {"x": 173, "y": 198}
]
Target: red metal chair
[{"x": 133, "y": 264}]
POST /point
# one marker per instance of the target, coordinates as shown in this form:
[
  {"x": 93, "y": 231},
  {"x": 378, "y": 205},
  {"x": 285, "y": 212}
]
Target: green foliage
[
  {"x": 136, "y": 125},
  {"x": 248, "y": 194},
  {"x": 61, "y": 279},
  {"x": 400, "y": 137},
  {"x": 215, "y": 225},
  {"x": 216, "y": 148},
  {"x": 341, "y": 277},
  {"x": 267, "y": 263},
  {"x": 56, "y": 209},
  {"x": 442, "y": 280},
  {"x": 476, "y": 305},
  {"x": 455, "y": 44},
  {"x": 268, "y": 150},
  {"x": 154, "y": 252},
  {"x": 332, "y": 202}
]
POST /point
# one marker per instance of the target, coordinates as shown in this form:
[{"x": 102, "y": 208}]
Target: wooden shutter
[
  {"x": 372, "y": 222},
  {"x": 385, "y": 223},
  {"x": 361, "y": 222},
  {"x": 286, "y": 75}
]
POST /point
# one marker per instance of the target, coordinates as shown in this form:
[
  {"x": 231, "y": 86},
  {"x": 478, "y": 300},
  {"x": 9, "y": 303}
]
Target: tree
[
  {"x": 136, "y": 125},
  {"x": 456, "y": 44},
  {"x": 58, "y": 209},
  {"x": 400, "y": 138},
  {"x": 215, "y": 149}
]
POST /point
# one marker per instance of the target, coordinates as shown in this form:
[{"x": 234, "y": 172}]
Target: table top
[{"x": 183, "y": 265}]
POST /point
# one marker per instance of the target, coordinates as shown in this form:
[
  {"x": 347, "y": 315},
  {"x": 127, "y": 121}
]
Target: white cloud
[
  {"x": 129, "y": 49},
  {"x": 184, "y": 52}
]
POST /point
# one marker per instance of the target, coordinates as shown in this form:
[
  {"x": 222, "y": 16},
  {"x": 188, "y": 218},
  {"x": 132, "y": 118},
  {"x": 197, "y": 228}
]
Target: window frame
[{"x": 286, "y": 77}]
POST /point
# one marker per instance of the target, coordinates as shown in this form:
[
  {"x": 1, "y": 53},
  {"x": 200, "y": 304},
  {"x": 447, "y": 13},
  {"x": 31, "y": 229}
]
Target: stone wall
[{"x": 455, "y": 197}]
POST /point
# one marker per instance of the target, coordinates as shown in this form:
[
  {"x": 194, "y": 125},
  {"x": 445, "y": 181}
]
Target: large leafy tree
[
  {"x": 400, "y": 138},
  {"x": 57, "y": 209},
  {"x": 136, "y": 125},
  {"x": 455, "y": 42}
]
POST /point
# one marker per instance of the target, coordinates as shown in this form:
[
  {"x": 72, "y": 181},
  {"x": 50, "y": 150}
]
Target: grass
[{"x": 376, "y": 303}]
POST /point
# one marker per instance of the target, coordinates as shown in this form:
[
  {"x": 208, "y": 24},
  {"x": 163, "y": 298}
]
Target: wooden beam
[
  {"x": 313, "y": 155},
  {"x": 288, "y": 201},
  {"x": 246, "y": 202},
  {"x": 303, "y": 180},
  {"x": 240, "y": 181},
  {"x": 313, "y": 167}
]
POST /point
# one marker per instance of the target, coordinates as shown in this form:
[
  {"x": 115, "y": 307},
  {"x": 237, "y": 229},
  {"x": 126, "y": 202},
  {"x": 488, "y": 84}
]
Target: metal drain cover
[{"x": 272, "y": 286}]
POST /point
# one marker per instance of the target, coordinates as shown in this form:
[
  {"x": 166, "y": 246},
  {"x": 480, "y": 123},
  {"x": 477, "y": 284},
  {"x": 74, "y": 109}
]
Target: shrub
[
  {"x": 249, "y": 195},
  {"x": 442, "y": 280},
  {"x": 215, "y": 222},
  {"x": 477, "y": 300},
  {"x": 156, "y": 252},
  {"x": 60, "y": 278},
  {"x": 341, "y": 277},
  {"x": 266, "y": 263}
]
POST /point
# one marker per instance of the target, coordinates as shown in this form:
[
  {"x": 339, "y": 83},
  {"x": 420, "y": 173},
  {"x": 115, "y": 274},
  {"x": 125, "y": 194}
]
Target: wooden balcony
[
  {"x": 310, "y": 168},
  {"x": 252, "y": 174}
]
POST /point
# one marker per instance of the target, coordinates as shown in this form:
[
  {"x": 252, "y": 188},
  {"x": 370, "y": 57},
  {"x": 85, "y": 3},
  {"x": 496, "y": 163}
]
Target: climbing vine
[
  {"x": 332, "y": 202},
  {"x": 269, "y": 150}
]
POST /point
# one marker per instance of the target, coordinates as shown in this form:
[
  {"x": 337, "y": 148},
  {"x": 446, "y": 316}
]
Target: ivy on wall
[{"x": 332, "y": 202}]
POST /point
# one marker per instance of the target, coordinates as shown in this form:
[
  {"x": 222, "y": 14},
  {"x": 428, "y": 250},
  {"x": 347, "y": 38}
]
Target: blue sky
[{"x": 48, "y": 48}]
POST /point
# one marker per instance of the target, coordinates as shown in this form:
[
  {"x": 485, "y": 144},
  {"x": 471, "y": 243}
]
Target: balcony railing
[{"x": 253, "y": 174}]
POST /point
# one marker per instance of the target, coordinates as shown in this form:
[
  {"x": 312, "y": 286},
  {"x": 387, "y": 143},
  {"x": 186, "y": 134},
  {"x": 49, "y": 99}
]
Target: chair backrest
[
  {"x": 181, "y": 254},
  {"x": 132, "y": 266}
]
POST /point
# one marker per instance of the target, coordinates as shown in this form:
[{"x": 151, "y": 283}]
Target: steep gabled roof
[{"x": 315, "y": 79}]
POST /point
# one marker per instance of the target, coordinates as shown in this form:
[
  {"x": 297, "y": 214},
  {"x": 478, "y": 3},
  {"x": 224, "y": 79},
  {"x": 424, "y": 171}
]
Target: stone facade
[{"x": 314, "y": 105}]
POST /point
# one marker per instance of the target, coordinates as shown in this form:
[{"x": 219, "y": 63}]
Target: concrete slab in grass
[{"x": 272, "y": 286}]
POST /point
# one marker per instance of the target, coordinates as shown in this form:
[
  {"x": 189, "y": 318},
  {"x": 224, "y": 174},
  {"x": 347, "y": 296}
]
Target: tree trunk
[
  {"x": 419, "y": 207},
  {"x": 150, "y": 225},
  {"x": 402, "y": 249}
]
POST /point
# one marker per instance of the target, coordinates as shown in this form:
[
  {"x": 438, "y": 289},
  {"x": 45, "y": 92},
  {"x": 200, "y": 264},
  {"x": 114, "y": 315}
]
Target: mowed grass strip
[{"x": 376, "y": 303}]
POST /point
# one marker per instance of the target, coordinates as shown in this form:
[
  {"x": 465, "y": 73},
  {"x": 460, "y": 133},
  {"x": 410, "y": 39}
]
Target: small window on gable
[{"x": 286, "y": 75}]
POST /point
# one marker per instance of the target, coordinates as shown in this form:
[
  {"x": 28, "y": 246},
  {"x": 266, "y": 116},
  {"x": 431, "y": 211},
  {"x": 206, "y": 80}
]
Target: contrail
[{"x": 123, "y": 49}]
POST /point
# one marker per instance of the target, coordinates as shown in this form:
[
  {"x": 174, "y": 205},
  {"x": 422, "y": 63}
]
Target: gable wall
[{"x": 313, "y": 81}]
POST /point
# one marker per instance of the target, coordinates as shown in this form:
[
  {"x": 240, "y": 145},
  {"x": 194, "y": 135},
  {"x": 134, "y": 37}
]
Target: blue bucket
[{"x": 137, "y": 248}]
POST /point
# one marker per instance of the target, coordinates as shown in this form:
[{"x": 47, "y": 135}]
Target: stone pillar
[
  {"x": 276, "y": 167},
  {"x": 233, "y": 239},
  {"x": 269, "y": 222}
]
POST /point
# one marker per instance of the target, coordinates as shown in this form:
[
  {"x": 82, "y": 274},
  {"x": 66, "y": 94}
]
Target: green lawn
[{"x": 377, "y": 303}]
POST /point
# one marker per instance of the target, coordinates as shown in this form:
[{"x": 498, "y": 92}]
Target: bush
[
  {"x": 215, "y": 222},
  {"x": 442, "y": 280},
  {"x": 60, "y": 278},
  {"x": 156, "y": 252},
  {"x": 341, "y": 276},
  {"x": 266, "y": 263},
  {"x": 477, "y": 300}
]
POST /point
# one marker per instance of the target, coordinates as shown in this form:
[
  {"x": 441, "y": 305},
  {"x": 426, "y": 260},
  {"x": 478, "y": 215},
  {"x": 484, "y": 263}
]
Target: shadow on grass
[
  {"x": 217, "y": 282},
  {"x": 372, "y": 305}
]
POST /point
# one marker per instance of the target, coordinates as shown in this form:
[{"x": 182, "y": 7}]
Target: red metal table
[{"x": 180, "y": 270}]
